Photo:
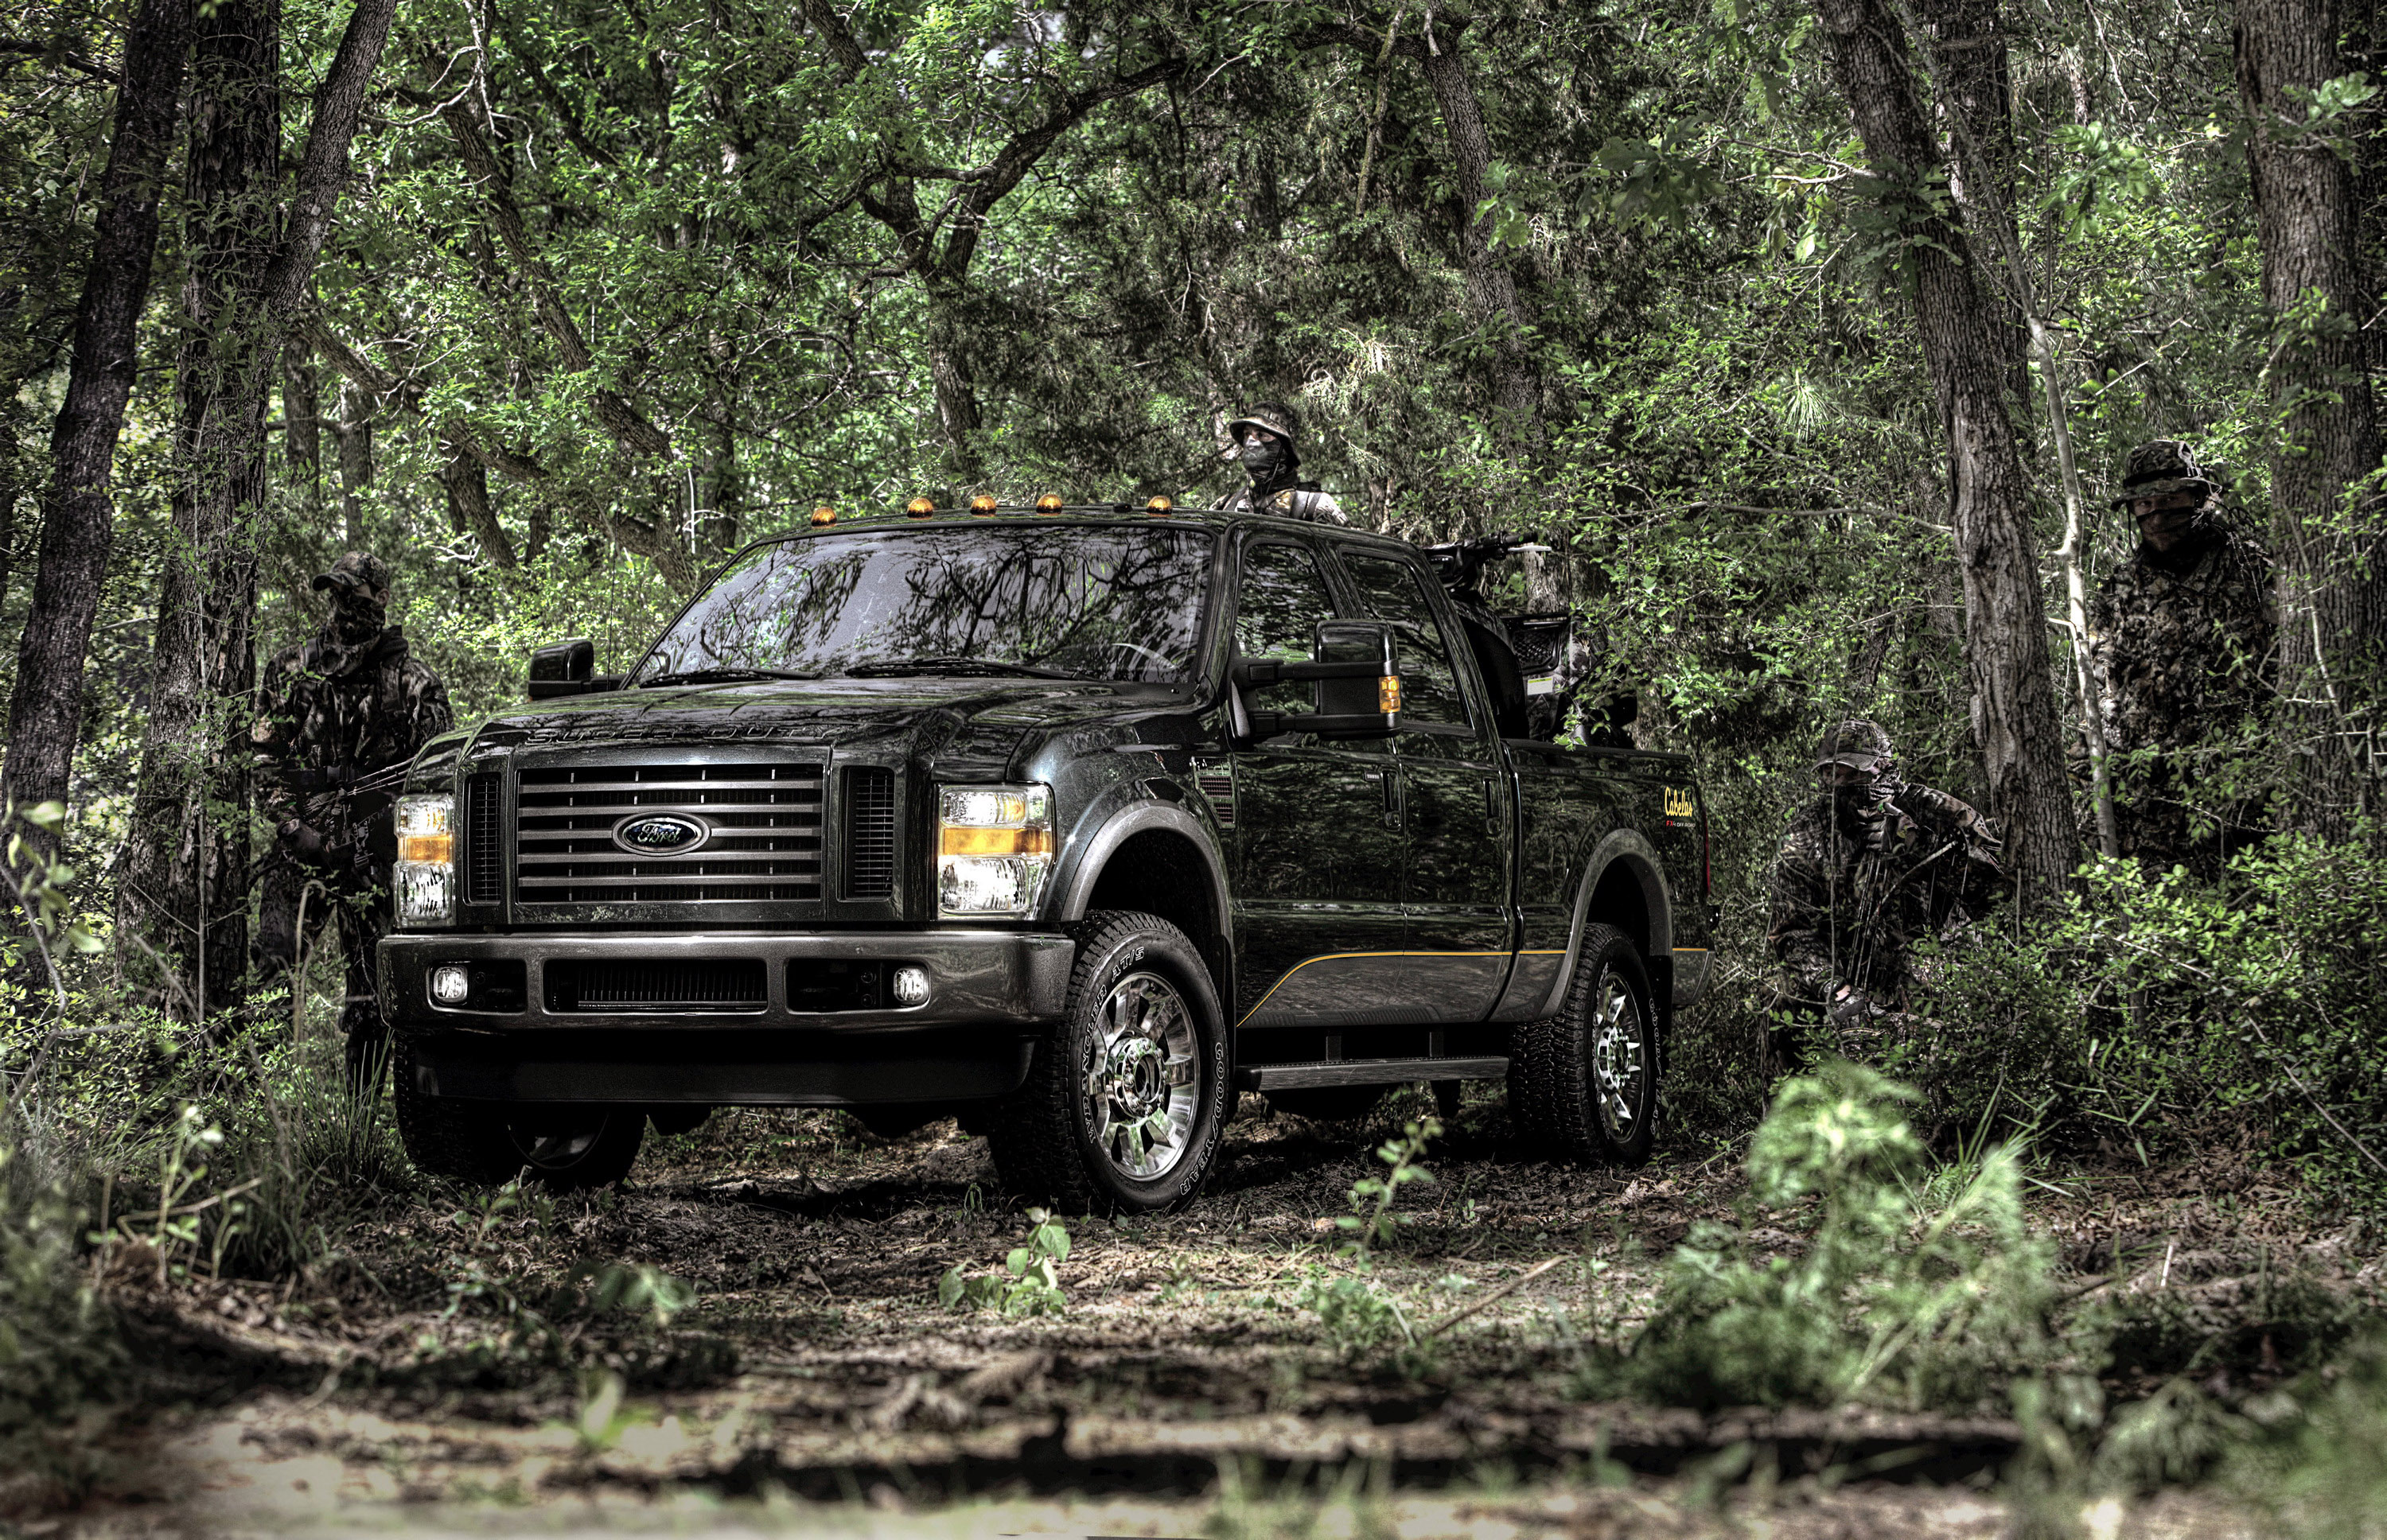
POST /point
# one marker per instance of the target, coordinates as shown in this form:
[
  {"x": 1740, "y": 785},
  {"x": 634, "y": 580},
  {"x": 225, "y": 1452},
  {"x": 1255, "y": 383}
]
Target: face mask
[
  {"x": 1263, "y": 458},
  {"x": 355, "y": 618}
]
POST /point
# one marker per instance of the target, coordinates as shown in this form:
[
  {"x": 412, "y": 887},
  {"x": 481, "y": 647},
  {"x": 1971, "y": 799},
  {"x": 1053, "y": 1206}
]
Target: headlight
[
  {"x": 994, "y": 844},
  {"x": 426, "y": 879}
]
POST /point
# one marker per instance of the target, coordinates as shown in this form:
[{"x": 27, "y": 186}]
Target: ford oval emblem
[{"x": 660, "y": 834}]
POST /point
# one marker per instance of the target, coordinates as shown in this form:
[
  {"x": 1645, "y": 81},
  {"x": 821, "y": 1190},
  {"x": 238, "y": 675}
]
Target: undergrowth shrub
[
  {"x": 1898, "y": 1294},
  {"x": 60, "y": 1354},
  {"x": 2263, "y": 998}
]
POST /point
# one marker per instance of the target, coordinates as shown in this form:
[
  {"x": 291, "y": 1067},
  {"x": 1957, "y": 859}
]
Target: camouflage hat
[
  {"x": 356, "y": 570},
  {"x": 2161, "y": 468},
  {"x": 1858, "y": 744},
  {"x": 1274, "y": 416}
]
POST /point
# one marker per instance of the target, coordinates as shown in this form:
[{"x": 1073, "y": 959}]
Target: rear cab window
[{"x": 1434, "y": 697}]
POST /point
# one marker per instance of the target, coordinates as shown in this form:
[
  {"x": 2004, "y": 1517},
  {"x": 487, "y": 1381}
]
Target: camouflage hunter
[
  {"x": 345, "y": 713},
  {"x": 2180, "y": 644},
  {"x": 1868, "y": 868},
  {"x": 1268, "y": 444}
]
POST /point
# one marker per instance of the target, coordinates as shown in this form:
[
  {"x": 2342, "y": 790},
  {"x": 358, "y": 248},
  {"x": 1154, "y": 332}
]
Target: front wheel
[
  {"x": 1582, "y": 1084},
  {"x": 563, "y": 1147},
  {"x": 1124, "y": 1104}
]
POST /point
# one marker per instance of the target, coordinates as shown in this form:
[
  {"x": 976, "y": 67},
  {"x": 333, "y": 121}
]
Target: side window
[
  {"x": 1283, "y": 598},
  {"x": 1392, "y": 590}
]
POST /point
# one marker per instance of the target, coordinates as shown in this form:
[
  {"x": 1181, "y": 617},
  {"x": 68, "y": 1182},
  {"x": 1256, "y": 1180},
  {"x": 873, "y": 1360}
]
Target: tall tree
[
  {"x": 78, "y": 515},
  {"x": 2325, "y": 498},
  {"x": 2005, "y": 620},
  {"x": 186, "y": 870}
]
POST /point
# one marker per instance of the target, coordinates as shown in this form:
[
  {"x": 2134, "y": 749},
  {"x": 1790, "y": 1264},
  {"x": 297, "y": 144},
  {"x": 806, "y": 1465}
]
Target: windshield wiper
[
  {"x": 956, "y": 665},
  {"x": 723, "y": 675}
]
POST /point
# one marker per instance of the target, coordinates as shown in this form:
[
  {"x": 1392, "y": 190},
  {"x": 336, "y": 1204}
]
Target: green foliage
[
  {"x": 1887, "y": 1298},
  {"x": 1371, "y": 1221},
  {"x": 1358, "y": 1314},
  {"x": 627, "y": 1288},
  {"x": 2317, "y": 1458},
  {"x": 59, "y": 1355},
  {"x": 2263, "y": 999},
  {"x": 1029, "y": 1284}
]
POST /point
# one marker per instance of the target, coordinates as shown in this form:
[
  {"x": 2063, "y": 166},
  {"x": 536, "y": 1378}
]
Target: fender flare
[
  {"x": 1632, "y": 848},
  {"x": 1087, "y": 862}
]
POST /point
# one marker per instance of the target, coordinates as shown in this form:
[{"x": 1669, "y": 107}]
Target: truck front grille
[
  {"x": 657, "y": 984},
  {"x": 757, "y": 834},
  {"x": 869, "y": 794}
]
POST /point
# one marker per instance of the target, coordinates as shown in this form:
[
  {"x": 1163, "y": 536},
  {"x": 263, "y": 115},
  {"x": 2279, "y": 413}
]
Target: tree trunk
[
  {"x": 77, "y": 516},
  {"x": 2005, "y": 620},
  {"x": 185, "y": 889},
  {"x": 2332, "y": 561},
  {"x": 1491, "y": 289},
  {"x": 956, "y": 387},
  {"x": 354, "y": 434},
  {"x": 1976, "y": 87},
  {"x": 302, "y": 425}
]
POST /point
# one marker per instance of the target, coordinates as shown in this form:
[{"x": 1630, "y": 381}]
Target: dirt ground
[{"x": 454, "y": 1371}]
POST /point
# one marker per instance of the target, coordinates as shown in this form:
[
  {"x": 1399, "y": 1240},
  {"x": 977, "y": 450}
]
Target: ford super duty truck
[{"x": 1068, "y": 822}]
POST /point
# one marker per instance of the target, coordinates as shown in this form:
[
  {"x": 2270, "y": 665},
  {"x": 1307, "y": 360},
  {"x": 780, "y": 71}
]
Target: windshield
[{"x": 1085, "y": 602}]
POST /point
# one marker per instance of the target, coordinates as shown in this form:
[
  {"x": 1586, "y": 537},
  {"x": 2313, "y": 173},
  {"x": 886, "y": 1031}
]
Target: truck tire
[
  {"x": 1582, "y": 1084},
  {"x": 489, "y": 1142},
  {"x": 1125, "y": 1103}
]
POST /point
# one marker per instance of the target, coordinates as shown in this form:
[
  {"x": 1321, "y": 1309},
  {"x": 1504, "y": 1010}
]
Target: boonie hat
[
  {"x": 354, "y": 571},
  {"x": 2161, "y": 468},
  {"x": 1274, "y": 416}
]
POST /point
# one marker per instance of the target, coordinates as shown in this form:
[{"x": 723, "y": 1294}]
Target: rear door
[
  {"x": 1455, "y": 793},
  {"x": 1318, "y": 836}
]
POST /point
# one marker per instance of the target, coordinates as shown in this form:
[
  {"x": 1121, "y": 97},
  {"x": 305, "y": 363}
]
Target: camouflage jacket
[
  {"x": 2180, "y": 658},
  {"x": 335, "y": 714},
  {"x": 1854, "y": 890},
  {"x": 1293, "y": 502}
]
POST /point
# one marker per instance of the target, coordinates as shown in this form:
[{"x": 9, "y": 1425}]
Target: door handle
[
  {"x": 1492, "y": 805},
  {"x": 1389, "y": 780}
]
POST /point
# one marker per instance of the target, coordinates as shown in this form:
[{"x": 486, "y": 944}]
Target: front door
[
  {"x": 1318, "y": 829},
  {"x": 1455, "y": 892}
]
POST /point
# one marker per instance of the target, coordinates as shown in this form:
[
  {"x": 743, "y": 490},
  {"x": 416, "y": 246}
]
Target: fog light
[
  {"x": 450, "y": 984},
  {"x": 911, "y": 985}
]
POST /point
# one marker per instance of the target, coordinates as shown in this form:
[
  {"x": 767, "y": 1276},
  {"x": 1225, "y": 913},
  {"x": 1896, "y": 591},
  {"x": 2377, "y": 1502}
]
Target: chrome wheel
[
  {"x": 1620, "y": 1071},
  {"x": 1141, "y": 1078}
]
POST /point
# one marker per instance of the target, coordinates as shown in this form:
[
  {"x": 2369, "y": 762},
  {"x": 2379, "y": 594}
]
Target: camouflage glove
[
  {"x": 305, "y": 842},
  {"x": 1850, "y": 1008}
]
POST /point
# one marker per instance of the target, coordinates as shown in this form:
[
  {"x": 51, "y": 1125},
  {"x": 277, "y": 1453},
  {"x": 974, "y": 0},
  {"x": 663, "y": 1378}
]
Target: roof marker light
[
  {"x": 983, "y": 503},
  {"x": 1161, "y": 504},
  {"x": 1049, "y": 503},
  {"x": 920, "y": 507},
  {"x": 824, "y": 515}
]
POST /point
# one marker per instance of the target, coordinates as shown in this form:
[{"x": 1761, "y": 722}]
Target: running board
[{"x": 1289, "y": 1076}]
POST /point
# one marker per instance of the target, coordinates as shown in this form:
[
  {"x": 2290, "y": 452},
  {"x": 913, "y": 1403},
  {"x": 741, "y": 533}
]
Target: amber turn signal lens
[
  {"x": 996, "y": 842},
  {"x": 920, "y": 507},
  {"x": 983, "y": 503},
  {"x": 824, "y": 515},
  {"x": 1388, "y": 694},
  {"x": 437, "y": 850},
  {"x": 1049, "y": 503},
  {"x": 1162, "y": 503}
]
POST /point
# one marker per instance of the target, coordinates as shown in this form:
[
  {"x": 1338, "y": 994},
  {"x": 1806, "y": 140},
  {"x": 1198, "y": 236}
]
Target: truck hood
[{"x": 980, "y": 722}]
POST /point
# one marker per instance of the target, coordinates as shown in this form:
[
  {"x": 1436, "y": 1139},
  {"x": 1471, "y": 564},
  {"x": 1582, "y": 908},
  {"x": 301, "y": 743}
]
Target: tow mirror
[
  {"x": 1357, "y": 678},
  {"x": 567, "y": 667}
]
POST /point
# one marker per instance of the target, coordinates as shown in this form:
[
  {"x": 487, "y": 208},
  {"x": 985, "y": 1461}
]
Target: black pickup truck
[{"x": 1068, "y": 822}]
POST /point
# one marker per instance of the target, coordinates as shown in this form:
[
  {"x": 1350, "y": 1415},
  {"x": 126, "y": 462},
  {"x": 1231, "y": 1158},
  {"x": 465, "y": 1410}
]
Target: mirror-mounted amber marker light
[
  {"x": 920, "y": 507},
  {"x": 1161, "y": 504},
  {"x": 1049, "y": 503},
  {"x": 439, "y": 848},
  {"x": 996, "y": 842},
  {"x": 824, "y": 515},
  {"x": 983, "y": 503},
  {"x": 1388, "y": 693}
]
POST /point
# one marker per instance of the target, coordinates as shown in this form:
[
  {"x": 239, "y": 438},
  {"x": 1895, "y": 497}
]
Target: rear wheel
[
  {"x": 564, "y": 1147},
  {"x": 1582, "y": 1084},
  {"x": 1124, "y": 1104}
]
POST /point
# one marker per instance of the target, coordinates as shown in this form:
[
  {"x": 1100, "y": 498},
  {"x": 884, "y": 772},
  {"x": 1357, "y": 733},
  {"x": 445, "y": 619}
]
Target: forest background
[{"x": 1808, "y": 338}]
